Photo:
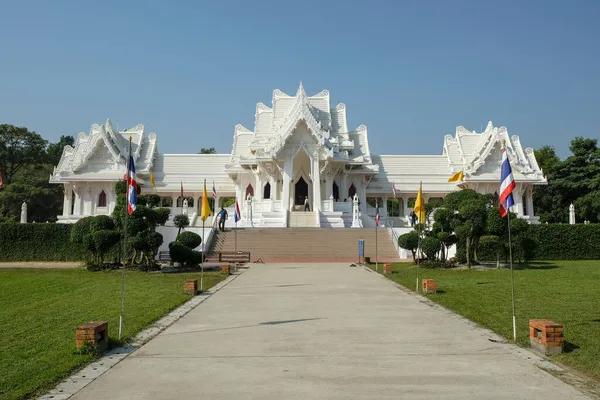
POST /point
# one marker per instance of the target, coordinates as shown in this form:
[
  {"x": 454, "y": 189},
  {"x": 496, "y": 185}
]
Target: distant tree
[
  {"x": 19, "y": 147},
  {"x": 208, "y": 151},
  {"x": 569, "y": 181},
  {"x": 55, "y": 150}
]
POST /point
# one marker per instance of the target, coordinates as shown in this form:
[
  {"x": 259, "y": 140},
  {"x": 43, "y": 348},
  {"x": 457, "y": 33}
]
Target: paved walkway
[
  {"x": 323, "y": 331},
  {"x": 39, "y": 264}
]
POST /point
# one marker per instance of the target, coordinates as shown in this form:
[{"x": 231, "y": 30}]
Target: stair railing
[{"x": 390, "y": 223}]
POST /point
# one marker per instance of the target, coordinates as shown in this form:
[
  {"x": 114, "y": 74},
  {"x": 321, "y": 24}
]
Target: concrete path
[
  {"x": 39, "y": 264},
  {"x": 323, "y": 331}
]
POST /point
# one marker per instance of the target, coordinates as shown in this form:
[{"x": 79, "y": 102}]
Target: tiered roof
[
  {"x": 274, "y": 125},
  {"x": 103, "y": 153}
]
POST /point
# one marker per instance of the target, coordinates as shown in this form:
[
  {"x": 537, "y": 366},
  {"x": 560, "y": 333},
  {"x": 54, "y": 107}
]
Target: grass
[
  {"x": 566, "y": 292},
  {"x": 40, "y": 309}
]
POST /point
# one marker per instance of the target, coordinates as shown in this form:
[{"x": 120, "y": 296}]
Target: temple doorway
[{"x": 301, "y": 192}]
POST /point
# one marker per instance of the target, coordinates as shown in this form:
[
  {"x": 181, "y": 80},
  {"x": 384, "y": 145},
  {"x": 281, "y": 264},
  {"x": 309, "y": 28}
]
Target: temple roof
[
  {"x": 274, "y": 125},
  {"x": 104, "y": 150}
]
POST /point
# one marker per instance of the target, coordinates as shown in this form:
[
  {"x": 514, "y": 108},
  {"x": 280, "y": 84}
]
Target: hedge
[
  {"x": 566, "y": 242},
  {"x": 38, "y": 242}
]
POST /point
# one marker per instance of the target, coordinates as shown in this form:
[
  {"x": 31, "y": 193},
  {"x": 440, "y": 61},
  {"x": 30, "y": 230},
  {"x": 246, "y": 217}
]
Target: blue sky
[{"x": 410, "y": 71}]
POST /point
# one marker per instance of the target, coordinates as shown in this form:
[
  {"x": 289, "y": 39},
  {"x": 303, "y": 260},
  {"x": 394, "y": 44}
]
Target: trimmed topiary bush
[
  {"x": 409, "y": 241},
  {"x": 189, "y": 239},
  {"x": 431, "y": 247}
]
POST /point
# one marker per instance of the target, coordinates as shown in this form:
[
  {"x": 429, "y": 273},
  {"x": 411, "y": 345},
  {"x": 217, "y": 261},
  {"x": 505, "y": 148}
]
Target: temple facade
[{"x": 300, "y": 165}]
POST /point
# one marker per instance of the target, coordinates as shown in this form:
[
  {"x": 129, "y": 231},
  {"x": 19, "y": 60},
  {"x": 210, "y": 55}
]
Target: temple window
[
  {"x": 249, "y": 191},
  {"x": 102, "y": 199},
  {"x": 336, "y": 192},
  {"x": 166, "y": 202},
  {"x": 267, "y": 191}
]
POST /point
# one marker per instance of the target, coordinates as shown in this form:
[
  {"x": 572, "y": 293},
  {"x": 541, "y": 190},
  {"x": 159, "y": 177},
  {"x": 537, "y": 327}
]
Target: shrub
[
  {"x": 103, "y": 242},
  {"x": 431, "y": 247},
  {"x": 566, "y": 242},
  {"x": 183, "y": 255},
  {"x": 80, "y": 229},
  {"x": 490, "y": 248},
  {"x": 409, "y": 241},
  {"x": 102, "y": 223},
  {"x": 189, "y": 239},
  {"x": 437, "y": 264},
  {"x": 39, "y": 242}
]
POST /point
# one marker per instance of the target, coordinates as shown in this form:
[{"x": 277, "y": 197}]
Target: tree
[
  {"x": 409, "y": 241},
  {"x": 19, "y": 147},
  {"x": 55, "y": 150},
  {"x": 181, "y": 221},
  {"x": 569, "y": 181},
  {"x": 210, "y": 150},
  {"x": 588, "y": 207}
]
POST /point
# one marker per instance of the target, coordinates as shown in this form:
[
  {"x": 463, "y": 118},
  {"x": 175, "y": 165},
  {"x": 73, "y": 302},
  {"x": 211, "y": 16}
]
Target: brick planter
[
  {"x": 191, "y": 287},
  {"x": 225, "y": 269},
  {"x": 93, "y": 333},
  {"x": 387, "y": 268},
  {"x": 428, "y": 286},
  {"x": 546, "y": 336}
]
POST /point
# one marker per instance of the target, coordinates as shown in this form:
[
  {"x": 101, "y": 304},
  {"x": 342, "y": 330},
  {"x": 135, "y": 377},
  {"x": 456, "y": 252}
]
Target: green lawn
[
  {"x": 40, "y": 309},
  {"x": 567, "y": 292}
]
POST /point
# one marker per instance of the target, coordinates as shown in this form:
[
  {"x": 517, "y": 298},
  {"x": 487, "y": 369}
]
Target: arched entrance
[
  {"x": 351, "y": 191},
  {"x": 301, "y": 192},
  {"x": 336, "y": 192}
]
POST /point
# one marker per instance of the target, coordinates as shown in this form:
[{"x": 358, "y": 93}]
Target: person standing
[
  {"x": 306, "y": 206},
  {"x": 413, "y": 218},
  {"x": 222, "y": 218}
]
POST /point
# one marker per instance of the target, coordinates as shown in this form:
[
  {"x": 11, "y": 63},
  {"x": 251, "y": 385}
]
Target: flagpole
[
  {"x": 125, "y": 242},
  {"x": 235, "y": 239},
  {"x": 512, "y": 279},
  {"x": 376, "y": 226},
  {"x": 203, "y": 222}
]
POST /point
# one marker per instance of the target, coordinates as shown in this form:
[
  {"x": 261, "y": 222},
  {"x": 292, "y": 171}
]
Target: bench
[
  {"x": 232, "y": 256},
  {"x": 164, "y": 256}
]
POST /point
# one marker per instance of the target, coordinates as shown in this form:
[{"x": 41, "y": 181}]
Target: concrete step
[{"x": 307, "y": 244}]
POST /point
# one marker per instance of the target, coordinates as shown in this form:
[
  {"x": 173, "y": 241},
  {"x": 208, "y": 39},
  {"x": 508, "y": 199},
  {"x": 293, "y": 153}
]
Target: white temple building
[{"x": 300, "y": 147}]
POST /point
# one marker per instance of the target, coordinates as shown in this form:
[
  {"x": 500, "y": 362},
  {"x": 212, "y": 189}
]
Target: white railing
[
  {"x": 327, "y": 205},
  {"x": 343, "y": 206}
]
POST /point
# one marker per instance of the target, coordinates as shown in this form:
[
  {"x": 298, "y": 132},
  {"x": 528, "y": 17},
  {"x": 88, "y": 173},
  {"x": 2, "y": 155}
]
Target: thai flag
[
  {"x": 236, "y": 212},
  {"x": 394, "y": 189},
  {"x": 214, "y": 191},
  {"x": 507, "y": 185},
  {"x": 377, "y": 213},
  {"x": 131, "y": 188}
]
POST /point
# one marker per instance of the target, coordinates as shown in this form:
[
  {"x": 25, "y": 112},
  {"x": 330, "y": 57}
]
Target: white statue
[
  {"x": 24, "y": 213},
  {"x": 355, "y": 214},
  {"x": 249, "y": 210},
  {"x": 571, "y": 214},
  {"x": 185, "y": 207}
]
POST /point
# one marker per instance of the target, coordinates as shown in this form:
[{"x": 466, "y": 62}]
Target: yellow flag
[
  {"x": 152, "y": 180},
  {"x": 205, "y": 212},
  {"x": 420, "y": 205},
  {"x": 458, "y": 177}
]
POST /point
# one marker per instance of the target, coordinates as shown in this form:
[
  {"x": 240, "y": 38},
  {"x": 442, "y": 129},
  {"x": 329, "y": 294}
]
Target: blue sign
[{"x": 361, "y": 248}]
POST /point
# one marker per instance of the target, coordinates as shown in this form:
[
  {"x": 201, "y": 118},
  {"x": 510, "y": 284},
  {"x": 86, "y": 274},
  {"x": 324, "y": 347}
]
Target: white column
[
  {"x": 316, "y": 185},
  {"x": 363, "y": 197},
  {"x": 67, "y": 200},
  {"x": 530, "y": 202},
  {"x": 287, "y": 177},
  {"x": 344, "y": 187},
  {"x": 258, "y": 185},
  {"x": 385, "y": 211},
  {"x": 174, "y": 200}
]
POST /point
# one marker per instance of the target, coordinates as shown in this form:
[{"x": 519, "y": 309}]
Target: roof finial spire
[{"x": 301, "y": 91}]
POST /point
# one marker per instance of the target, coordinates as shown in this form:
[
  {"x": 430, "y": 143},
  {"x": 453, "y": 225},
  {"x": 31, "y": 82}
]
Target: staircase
[
  {"x": 303, "y": 219},
  {"x": 305, "y": 244}
]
